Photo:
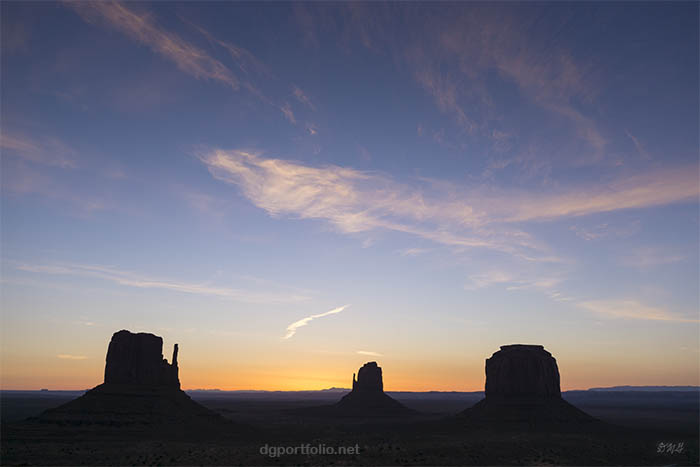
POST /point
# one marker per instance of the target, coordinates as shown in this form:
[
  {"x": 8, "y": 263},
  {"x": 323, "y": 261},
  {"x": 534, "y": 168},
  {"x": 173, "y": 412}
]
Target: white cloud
[
  {"x": 311, "y": 129},
  {"x": 288, "y": 114},
  {"x": 354, "y": 201},
  {"x": 593, "y": 233},
  {"x": 130, "y": 279},
  {"x": 246, "y": 62},
  {"x": 369, "y": 353},
  {"x": 65, "y": 356},
  {"x": 303, "y": 98},
  {"x": 43, "y": 150},
  {"x": 558, "y": 296},
  {"x": 479, "y": 281},
  {"x": 512, "y": 282},
  {"x": 142, "y": 28},
  {"x": 292, "y": 328},
  {"x": 653, "y": 188},
  {"x": 479, "y": 41},
  {"x": 651, "y": 256},
  {"x": 365, "y": 155},
  {"x": 414, "y": 251},
  {"x": 639, "y": 146},
  {"x": 632, "y": 309},
  {"x": 605, "y": 230}
]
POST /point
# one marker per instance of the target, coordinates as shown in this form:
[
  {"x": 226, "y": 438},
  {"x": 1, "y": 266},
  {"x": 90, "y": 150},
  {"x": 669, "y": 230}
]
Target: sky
[{"x": 290, "y": 190}]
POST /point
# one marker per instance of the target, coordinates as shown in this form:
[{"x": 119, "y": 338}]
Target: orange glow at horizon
[{"x": 85, "y": 374}]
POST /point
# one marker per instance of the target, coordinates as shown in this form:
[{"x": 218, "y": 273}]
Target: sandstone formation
[
  {"x": 367, "y": 396},
  {"x": 369, "y": 379},
  {"x": 138, "y": 359},
  {"x": 140, "y": 387},
  {"x": 522, "y": 371},
  {"x": 522, "y": 388}
]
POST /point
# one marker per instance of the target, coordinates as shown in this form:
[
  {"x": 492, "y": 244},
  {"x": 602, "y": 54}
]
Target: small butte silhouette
[
  {"x": 367, "y": 399},
  {"x": 368, "y": 396}
]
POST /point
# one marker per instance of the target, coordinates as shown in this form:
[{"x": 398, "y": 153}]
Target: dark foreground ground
[{"x": 641, "y": 428}]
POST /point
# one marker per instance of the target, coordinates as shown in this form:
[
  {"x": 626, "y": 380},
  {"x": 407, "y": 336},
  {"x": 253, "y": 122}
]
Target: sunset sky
[{"x": 291, "y": 190}]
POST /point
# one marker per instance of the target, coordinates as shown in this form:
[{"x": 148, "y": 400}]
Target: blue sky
[{"x": 289, "y": 190}]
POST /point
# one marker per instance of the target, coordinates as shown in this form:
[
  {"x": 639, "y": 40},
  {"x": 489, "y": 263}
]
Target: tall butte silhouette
[
  {"x": 140, "y": 387},
  {"x": 522, "y": 388}
]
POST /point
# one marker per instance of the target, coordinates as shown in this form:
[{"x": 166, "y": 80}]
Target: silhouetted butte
[
  {"x": 140, "y": 386},
  {"x": 522, "y": 387},
  {"x": 367, "y": 395},
  {"x": 137, "y": 359}
]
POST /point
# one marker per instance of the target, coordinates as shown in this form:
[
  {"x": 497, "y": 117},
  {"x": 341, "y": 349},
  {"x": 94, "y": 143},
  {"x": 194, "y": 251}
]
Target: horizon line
[{"x": 386, "y": 390}]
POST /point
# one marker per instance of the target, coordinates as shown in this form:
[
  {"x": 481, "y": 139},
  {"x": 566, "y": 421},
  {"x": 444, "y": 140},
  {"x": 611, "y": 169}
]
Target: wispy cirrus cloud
[
  {"x": 354, "y": 201},
  {"x": 369, "y": 353},
  {"x": 245, "y": 61},
  {"x": 131, "y": 279},
  {"x": 651, "y": 256},
  {"x": 29, "y": 166},
  {"x": 445, "y": 90},
  {"x": 42, "y": 150},
  {"x": 641, "y": 150},
  {"x": 414, "y": 251},
  {"x": 545, "y": 284},
  {"x": 559, "y": 296},
  {"x": 65, "y": 356},
  {"x": 142, "y": 27},
  {"x": 605, "y": 230},
  {"x": 292, "y": 328},
  {"x": 632, "y": 309},
  {"x": 594, "y": 233},
  {"x": 302, "y": 97},
  {"x": 486, "y": 39},
  {"x": 652, "y": 188},
  {"x": 487, "y": 279},
  {"x": 311, "y": 129},
  {"x": 465, "y": 56},
  {"x": 286, "y": 110},
  {"x": 510, "y": 281}
]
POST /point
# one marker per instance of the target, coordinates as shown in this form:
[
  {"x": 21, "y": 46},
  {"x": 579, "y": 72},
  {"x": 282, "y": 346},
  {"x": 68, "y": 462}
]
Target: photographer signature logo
[{"x": 670, "y": 448}]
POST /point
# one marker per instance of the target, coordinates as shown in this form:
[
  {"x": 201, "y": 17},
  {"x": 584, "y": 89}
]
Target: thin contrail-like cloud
[
  {"x": 292, "y": 328},
  {"x": 65, "y": 356},
  {"x": 369, "y": 353},
  {"x": 130, "y": 279}
]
